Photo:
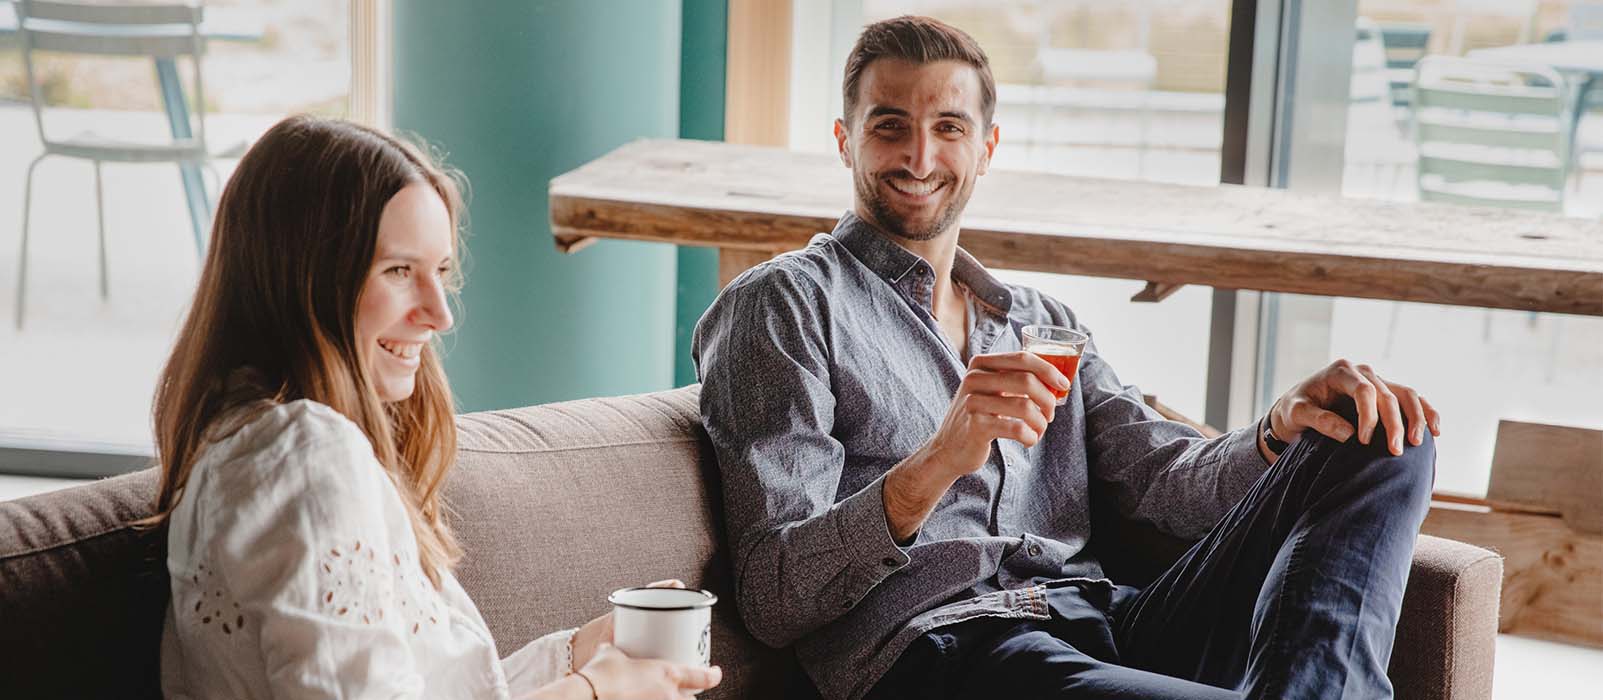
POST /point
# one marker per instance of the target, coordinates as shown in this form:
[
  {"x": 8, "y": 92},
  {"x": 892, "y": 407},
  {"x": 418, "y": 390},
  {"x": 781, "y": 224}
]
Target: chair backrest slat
[
  {"x": 1431, "y": 131},
  {"x": 83, "y": 13},
  {"x": 1491, "y": 134},
  {"x": 110, "y": 44}
]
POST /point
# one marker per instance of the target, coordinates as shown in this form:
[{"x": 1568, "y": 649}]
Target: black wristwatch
[{"x": 1275, "y": 445}]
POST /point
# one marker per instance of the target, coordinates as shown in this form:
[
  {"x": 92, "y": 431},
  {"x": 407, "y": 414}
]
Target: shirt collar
[{"x": 888, "y": 260}]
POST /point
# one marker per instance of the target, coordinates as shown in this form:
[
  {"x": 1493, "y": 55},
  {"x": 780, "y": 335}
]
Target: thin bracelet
[{"x": 593, "y": 694}]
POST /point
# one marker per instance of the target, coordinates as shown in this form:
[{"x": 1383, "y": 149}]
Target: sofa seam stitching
[{"x": 539, "y": 450}]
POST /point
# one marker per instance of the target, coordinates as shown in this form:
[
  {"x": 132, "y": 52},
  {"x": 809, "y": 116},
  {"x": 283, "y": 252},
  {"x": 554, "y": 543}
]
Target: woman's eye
[{"x": 399, "y": 271}]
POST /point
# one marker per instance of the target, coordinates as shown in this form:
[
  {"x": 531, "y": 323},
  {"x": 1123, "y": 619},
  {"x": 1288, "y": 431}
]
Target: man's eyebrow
[
  {"x": 882, "y": 110},
  {"x": 960, "y": 115}
]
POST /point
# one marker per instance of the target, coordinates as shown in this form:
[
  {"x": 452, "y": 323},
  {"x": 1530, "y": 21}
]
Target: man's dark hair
[{"x": 917, "y": 40}]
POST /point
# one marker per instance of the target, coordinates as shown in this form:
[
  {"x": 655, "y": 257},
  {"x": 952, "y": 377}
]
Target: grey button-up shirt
[{"x": 823, "y": 368}]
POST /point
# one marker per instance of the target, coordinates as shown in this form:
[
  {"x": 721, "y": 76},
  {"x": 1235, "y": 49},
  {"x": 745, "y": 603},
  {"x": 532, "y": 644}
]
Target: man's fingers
[
  {"x": 1347, "y": 380},
  {"x": 1022, "y": 361},
  {"x": 1008, "y": 428},
  {"x": 1414, "y": 411},
  {"x": 1432, "y": 418},
  {"x": 1016, "y": 383},
  {"x": 1387, "y": 406},
  {"x": 1017, "y": 407},
  {"x": 668, "y": 583},
  {"x": 1325, "y": 422}
]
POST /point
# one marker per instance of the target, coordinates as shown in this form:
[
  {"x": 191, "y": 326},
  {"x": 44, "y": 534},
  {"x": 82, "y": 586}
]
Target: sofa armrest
[{"x": 1447, "y": 635}]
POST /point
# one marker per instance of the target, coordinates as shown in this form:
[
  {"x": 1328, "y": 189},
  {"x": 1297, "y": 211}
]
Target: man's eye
[
  {"x": 951, "y": 128},
  {"x": 888, "y": 126}
]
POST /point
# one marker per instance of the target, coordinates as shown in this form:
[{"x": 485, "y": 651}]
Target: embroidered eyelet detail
[
  {"x": 356, "y": 580},
  {"x": 214, "y": 606}
]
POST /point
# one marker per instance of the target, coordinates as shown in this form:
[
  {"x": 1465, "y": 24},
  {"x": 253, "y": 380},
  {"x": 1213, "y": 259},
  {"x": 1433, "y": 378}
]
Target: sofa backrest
[
  {"x": 559, "y": 505},
  {"x": 82, "y": 593},
  {"x": 556, "y": 506}
]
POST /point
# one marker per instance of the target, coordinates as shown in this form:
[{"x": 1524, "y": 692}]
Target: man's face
[{"x": 916, "y": 143}]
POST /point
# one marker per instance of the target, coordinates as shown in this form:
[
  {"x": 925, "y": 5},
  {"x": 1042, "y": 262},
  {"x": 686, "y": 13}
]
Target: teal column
[
  {"x": 513, "y": 94},
  {"x": 704, "y": 54}
]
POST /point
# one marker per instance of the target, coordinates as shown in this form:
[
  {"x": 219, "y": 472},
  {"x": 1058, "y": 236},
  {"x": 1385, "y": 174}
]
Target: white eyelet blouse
[{"x": 295, "y": 575}]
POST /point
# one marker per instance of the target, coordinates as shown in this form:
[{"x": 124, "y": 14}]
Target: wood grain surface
[{"x": 769, "y": 199}]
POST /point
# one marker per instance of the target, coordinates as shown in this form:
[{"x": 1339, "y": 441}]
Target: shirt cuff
[
  {"x": 540, "y": 662},
  {"x": 1241, "y": 463},
  {"x": 861, "y": 525}
]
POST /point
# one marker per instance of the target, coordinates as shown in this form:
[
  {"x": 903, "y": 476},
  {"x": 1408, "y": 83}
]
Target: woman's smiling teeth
[{"x": 405, "y": 351}]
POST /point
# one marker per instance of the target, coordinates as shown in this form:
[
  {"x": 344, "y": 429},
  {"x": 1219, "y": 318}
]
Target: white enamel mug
[{"x": 672, "y": 624}]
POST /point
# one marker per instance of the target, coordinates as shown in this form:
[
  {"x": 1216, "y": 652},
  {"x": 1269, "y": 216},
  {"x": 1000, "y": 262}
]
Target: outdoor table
[
  {"x": 754, "y": 202},
  {"x": 218, "y": 25}
]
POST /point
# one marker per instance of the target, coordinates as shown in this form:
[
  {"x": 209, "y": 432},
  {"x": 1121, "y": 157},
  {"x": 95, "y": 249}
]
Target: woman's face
[{"x": 403, "y": 302}]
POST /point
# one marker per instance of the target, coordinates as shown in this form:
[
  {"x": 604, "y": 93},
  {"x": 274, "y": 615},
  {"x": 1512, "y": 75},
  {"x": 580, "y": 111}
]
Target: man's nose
[{"x": 921, "y": 157}]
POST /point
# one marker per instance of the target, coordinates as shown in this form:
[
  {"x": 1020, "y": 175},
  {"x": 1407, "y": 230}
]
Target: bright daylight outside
[
  {"x": 1134, "y": 89},
  {"x": 81, "y": 351},
  {"x": 105, "y": 207}
]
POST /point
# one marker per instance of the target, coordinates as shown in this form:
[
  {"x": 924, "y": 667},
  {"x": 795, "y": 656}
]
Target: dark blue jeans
[{"x": 1294, "y": 594}]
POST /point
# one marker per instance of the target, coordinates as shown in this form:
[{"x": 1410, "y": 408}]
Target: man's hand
[
  {"x": 1003, "y": 396},
  {"x": 1379, "y": 402}
]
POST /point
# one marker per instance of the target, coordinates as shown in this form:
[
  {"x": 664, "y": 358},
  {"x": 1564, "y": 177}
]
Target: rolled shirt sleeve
[{"x": 803, "y": 555}]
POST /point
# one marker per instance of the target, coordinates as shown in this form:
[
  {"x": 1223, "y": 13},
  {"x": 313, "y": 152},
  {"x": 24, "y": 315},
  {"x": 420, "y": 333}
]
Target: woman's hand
[
  {"x": 616, "y": 676},
  {"x": 599, "y": 631}
]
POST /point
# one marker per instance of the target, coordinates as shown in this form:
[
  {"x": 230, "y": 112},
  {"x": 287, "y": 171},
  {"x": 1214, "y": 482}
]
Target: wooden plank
[
  {"x": 1155, "y": 292},
  {"x": 757, "y": 87},
  {"x": 733, "y": 261},
  {"x": 1552, "y": 575},
  {"x": 753, "y": 198},
  {"x": 1164, "y": 410},
  {"x": 1550, "y": 466}
]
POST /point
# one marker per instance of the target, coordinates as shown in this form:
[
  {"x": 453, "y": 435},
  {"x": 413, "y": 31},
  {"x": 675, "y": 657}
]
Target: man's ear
[
  {"x": 840, "y": 143},
  {"x": 991, "y": 139}
]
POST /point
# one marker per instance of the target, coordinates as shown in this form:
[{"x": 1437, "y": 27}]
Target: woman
[{"x": 305, "y": 428}]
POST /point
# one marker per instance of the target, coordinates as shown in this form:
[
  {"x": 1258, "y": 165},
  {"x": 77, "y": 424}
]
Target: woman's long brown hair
[{"x": 274, "y": 315}]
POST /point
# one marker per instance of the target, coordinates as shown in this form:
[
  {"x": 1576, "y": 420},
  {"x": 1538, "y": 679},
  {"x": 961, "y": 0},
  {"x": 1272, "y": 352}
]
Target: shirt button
[
  {"x": 1035, "y": 550},
  {"x": 888, "y": 561}
]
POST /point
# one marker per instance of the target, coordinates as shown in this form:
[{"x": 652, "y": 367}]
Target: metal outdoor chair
[
  {"x": 1404, "y": 45},
  {"x": 155, "y": 31},
  {"x": 1491, "y": 134},
  {"x": 1377, "y": 150}
]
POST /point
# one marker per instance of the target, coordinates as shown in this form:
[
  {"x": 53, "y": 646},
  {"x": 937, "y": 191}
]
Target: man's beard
[{"x": 888, "y": 220}]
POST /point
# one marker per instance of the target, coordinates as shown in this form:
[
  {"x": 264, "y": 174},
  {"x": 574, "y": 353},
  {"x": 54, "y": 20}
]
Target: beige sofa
[{"x": 556, "y": 506}]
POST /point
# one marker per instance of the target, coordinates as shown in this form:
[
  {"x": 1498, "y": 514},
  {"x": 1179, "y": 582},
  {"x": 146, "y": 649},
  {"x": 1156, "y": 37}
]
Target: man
[{"x": 907, "y": 507}]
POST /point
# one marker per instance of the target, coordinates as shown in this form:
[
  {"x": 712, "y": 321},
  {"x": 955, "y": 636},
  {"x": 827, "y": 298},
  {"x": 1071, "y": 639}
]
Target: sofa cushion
[
  {"x": 82, "y": 593},
  {"x": 559, "y": 505}
]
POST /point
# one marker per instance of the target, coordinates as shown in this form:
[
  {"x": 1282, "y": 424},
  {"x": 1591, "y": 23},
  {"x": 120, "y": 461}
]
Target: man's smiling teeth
[
  {"x": 916, "y": 188},
  {"x": 405, "y": 351}
]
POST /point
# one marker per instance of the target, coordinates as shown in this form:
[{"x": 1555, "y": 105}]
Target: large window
[
  {"x": 1532, "y": 141},
  {"x": 1125, "y": 89},
  {"x": 78, "y": 370},
  {"x": 1134, "y": 89}
]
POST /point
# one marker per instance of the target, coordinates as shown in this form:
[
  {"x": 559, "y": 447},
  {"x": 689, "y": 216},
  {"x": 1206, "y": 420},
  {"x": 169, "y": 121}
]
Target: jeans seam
[{"x": 1293, "y": 566}]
